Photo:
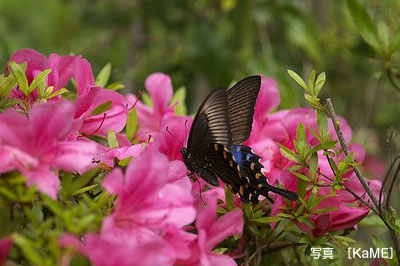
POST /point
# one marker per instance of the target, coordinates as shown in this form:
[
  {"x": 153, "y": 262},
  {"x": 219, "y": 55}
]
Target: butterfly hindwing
[{"x": 251, "y": 167}]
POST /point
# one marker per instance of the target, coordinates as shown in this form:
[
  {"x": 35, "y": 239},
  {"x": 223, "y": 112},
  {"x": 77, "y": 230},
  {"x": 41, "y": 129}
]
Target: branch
[
  {"x": 332, "y": 115},
  {"x": 330, "y": 111}
]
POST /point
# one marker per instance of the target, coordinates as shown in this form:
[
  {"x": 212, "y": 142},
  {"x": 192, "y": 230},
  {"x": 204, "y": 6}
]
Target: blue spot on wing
[{"x": 238, "y": 155}]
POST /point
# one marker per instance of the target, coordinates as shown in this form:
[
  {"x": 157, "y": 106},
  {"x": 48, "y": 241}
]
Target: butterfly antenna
[{"x": 173, "y": 136}]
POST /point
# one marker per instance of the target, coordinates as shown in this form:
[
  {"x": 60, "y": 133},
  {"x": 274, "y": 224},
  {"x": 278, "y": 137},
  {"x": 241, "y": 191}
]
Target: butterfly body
[{"x": 214, "y": 149}]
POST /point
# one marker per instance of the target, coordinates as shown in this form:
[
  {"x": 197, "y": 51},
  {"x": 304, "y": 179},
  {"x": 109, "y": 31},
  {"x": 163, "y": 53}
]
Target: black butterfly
[{"x": 221, "y": 124}]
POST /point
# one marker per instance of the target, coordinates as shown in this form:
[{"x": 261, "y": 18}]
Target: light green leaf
[
  {"x": 320, "y": 211},
  {"x": 289, "y": 154},
  {"x": 298, "y": 79},
  {"x": 311, "y": 82},
  {"x": 301, "y": 133},
  {"x": 324, "y": 146},
  {"x": 395, "y": 43},
  {"x": 180, "y": 96},
  {"x": 146, "y": 99},
  {"x": 112, "y": 139},
  {"x": 322, "y": 122},
  {"x": 301, "y": 176},
  {"x": 383, "y": 33},
  {"x": 116, "y": 86},
  {"x": 267, "y": 220},
  {"x": 102, "y": 108},
  {"x": 56, "y": 93},
  {"x": 131, "y": 124},
  {"x": 39, "y": 81},
  {"x": 104, "y": 75},
  {"x": 319, "y": 83},
  {"x": 18, "y": 72},
  {"x": 6, "y": 86},
  {"x": 313, "y": 165},
  {"x": 84, "y": 189},
  {"x": 364, "y": 24}
]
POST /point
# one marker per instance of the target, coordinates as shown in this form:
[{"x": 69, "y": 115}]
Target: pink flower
[
  {"x": 153, "y": 194},
  {"x": 100, "y": 124},
  {"x": 103, "y": 251},
  {"x": 37, "y": 145},
  {"x": 171, "y": 143},
  {"x": 159, "y": 87},
  {"x": 211, "y": 231},
  {"x": 63, "y": 69},
  {"x": 5, "y": 246}
]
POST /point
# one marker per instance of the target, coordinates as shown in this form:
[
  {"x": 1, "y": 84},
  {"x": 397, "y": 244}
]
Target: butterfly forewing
[
  {"x": 211, "y": 123},
  {"x": 241, "y": 101}
]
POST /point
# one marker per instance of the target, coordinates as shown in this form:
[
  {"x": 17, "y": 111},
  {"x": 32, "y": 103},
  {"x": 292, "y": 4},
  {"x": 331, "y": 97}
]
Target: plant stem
[
  {"x": 332, "y": 115},
  {"x": 330, "y": 112}
]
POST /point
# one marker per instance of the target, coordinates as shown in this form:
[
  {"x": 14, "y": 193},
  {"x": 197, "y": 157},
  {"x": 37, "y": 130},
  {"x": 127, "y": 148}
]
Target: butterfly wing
[
  {"x": 211, "y": 124},
  {"x": 241, "y": 101}
]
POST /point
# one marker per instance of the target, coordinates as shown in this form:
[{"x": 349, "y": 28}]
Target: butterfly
[{"x": 222, "y": 123}]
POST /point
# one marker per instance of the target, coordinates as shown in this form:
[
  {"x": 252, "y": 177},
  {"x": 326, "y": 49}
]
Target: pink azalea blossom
[
  {"x": 5, "y": 246},
  {"x": 103, "y": 251},
  {"x": 63, "y": 68},
  {"x": 171, "y": 143},
  {"x": 154, "y": 193},
  {"x": 211, "y": 231},
  {"x": 100, "y": 124},
  {"x": 37, "y": 145},
  {"x": 159, "y": 87}
]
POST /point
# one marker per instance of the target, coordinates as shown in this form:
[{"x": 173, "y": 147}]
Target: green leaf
[
  {"x": 53, "y": 205},
  {"x": 84, "y": 189},
  {"x": 301, "y": 176},
  {"x": 320, "y": 211},
  {"x": 18, "y": 72},
  {"x": 295, "y": 167},
  {"x": 311, "y": 82},
  {"x": 313, "y": 165},
  {"x": 179, "y": 96},
  {"x": 301, "y": 133},
  {"x": 364, "y": 23},
  {"x": 6, "y": 86},
  {"x": 39, "y": 81},
  {"x": 383, "y": 33},
  {"x": 286, "y": 215},
  {"x": 116, "y": 86},
  {"x": 7, "y": 103},
  {"x": 56, "y": 93},
  {"x": 298, "y": 79},
  {"x": 104, "y": 107},
  {"x": 28, "y": 248},
  {"x": 146, "y": 99},
  {"x": 289, "y": 154},
  {"x": 395, "y": 43},
  {"x": 112, "y": 139},
  {"x": 324, "y": 146},
  {"x": 104, "y": 75},
  {"x": 267, "y": 220},
  {"x": 319, "y": 83},
  {"x": 131, "y": 124},
  {"x": 322, "y": 122}
]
